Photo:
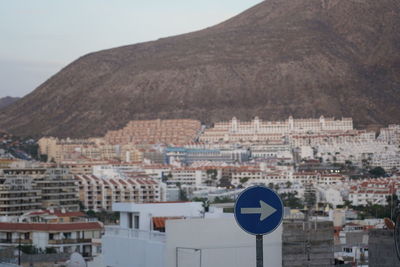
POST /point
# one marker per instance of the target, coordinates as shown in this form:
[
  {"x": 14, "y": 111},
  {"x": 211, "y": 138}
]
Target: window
[
  {"x": 348, "y": 250},
  {"x": 136, "y": 221},
  {"x": 130, "y": 221},
  {"x": 51, "y": 236},
  {"x": 9, "y": 236},
  {"x": 67, "y": 235}
]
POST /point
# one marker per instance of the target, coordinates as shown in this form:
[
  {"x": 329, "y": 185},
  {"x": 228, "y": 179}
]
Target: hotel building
[{"x": 99, "y": 194}]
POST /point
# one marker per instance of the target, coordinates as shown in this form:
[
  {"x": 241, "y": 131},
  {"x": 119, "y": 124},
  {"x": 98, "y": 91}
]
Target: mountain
[
  {"x": 304, "y": 58},
  {"x": 6, "y": 101}
]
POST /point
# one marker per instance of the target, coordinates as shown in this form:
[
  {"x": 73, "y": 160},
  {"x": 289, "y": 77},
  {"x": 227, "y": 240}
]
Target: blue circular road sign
[{"x": 258, "y": 210}]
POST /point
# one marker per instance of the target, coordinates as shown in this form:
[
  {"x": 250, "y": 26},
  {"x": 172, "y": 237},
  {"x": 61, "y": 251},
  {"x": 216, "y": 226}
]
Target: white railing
[{"x": 116, "y": 231}]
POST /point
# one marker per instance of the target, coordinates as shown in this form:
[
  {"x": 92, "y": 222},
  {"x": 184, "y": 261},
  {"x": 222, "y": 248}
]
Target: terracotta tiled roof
[
  {"x": 58, "y": 213},
  {"x": 50, "y": 227},
  {"x": 159, "y": 222}
]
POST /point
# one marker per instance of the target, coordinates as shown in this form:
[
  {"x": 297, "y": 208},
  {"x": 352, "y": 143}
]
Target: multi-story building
[
  {"x": 252, "y": 175},
  {"x": 18, "y": 194},
  {"x": 81, "y": 166},
  {"x": 318, "y": 178},
  {"x": 263, "y": 151},
  {"x": 55, "y": 231},
  {"x": 330, "y": 138},
  {"x": 58, "y": 150},
  {"x": 58, "y": 189},
  {"x": 388, "y": 160},
  {"x": 23, "y": 190},
  {"x": 99, "y": 194},
  {"x": 155, "y": 132},
  {"x": 330, "y": 194},
  {"x": 374, "y": 152},
  {"x": 194, "y": 176},
  {"x": 374, "y": 191},
  {"x": 157, "y": 171},
  {"x": 181, "y": 155},
  {"x": 390, "y": 135},
  {"x": 247, "y": 174},
  {"x": 162, "y": 235},
  {"x": 94, "y": 149},
  {"x": 264, "y": 131},
  {"x": 119, "y": 170},
  {"x": 186, "y": 176}
]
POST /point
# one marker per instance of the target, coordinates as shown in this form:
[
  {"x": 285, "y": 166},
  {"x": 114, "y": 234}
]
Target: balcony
[
  {"x": 69, "y": 241},
  {"x": 16, "y": 241}
]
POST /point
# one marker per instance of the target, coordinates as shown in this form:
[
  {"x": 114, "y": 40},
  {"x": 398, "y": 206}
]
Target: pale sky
[{"x": 39, "y": 37}]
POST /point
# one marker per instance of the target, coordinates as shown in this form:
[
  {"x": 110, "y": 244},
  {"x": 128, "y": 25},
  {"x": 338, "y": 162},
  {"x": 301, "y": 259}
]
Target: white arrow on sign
[{"x": 264, "y": 210}]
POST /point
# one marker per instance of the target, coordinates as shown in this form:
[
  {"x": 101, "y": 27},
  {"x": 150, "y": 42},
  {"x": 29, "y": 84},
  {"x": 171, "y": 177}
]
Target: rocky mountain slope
[
  {"x": 304, "y": 58},
  {"x": 6, "y": 101}
]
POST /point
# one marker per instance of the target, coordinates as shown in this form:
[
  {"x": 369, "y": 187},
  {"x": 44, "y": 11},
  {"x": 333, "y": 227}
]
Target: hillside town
[
  {"x": 88, "y": 195},
  {"x": 230, "y": 133}
]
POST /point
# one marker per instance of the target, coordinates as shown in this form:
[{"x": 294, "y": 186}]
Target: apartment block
[
  {"x": 373, "y": 191},
  {"x": 55, "y": 230},
  {"x": 24, "y": 190},
  {"x": 390, "y": 134},
  {"x": 258, "y": 130},
  {"x": 18, "y": 194},
  {"x": 99, "y": 194},
  {"x": 155, "y": 132},
  {"x": 58, "y": 189}
]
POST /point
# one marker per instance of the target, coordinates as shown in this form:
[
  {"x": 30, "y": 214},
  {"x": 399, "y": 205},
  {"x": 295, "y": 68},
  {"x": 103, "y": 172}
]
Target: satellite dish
[{"x": 76, "y": 260}]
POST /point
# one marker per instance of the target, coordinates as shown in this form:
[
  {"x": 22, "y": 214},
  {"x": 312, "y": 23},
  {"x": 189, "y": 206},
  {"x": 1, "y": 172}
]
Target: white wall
[
  {"x": 306, "y": 152},
  {"x": 40, "y": 239},
  {"x": 220, "y": 242},
  {"x": 128, "y": 252},
  {"x": 148, "y": 210},
  {"x": 96, "y": 262}
]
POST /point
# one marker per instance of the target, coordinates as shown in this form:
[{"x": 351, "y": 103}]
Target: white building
[
  {"x": 217, "y": 242},
  {"x": 388, "y": 160},
  {"x": 258, "y": 130},
  {"x": 391, "y": 135},
  {"x": 247, "y": 174},
  {"x": 83, "y": 237},
  {"x": 331, "y": 195},
  {"x": 375, "y": 152},
  {"x": 99, "y": 194},
  {"x": 263, "y": 151},
  {"x": 189, "y": 239},
  {"x": 374, "y": 191},
  {"x": 306, "y": 152}
]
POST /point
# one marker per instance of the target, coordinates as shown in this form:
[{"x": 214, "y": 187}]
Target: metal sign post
[
  {"x": 259, "y": 251},
  {"x": 258, "y": 211}
]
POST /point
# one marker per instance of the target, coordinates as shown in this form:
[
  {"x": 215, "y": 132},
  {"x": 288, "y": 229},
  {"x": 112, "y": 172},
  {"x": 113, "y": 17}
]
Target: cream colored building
[
  {"x": 97, "y": 149},
  {"x": 155, "y": 132},
  {"x": 258, "y": 130},
  {"x": 58, "y": 150},
  {"x": 391, "y": 134},
  {"x": 99, "y": 194}
]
